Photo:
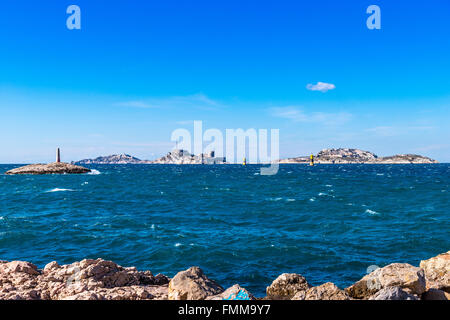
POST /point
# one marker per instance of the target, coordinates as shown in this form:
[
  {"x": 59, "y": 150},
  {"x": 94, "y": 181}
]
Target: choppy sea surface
[{"x": 328, "y": 222}]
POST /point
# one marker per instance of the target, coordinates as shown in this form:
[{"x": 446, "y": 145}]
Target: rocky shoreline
[{"x": 105, "y": 280}]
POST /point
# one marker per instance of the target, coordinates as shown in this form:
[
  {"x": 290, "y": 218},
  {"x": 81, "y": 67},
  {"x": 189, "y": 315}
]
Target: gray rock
[{"x": 393, "y": 293}]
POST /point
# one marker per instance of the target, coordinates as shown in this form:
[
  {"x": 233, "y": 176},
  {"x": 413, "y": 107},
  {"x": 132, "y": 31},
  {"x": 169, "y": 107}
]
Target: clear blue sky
[{"x": 137, "y": 70}]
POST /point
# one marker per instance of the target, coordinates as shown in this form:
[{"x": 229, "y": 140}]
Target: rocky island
[
  {"x": 105, "y": 280},
  {"x": 57, "y": 167},
  {"x": 348, "y": 156},
  {"x": 113, "y": 159},
  {"x": 176, "y": 156}
]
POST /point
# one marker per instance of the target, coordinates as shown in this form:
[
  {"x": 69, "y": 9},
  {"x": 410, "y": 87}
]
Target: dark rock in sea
[{"x": 51, "y": 168}]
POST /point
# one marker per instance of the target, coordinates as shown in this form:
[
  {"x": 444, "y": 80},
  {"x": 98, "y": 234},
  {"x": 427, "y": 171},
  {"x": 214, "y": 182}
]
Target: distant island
[
  {"x": 176, "y": 156},
  {"x": 345, "y": 155},
  {"x": 326, "y": 156}
]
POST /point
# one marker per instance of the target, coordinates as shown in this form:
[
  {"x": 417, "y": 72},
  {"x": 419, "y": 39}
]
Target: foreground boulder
[
  {"x": 326, "y": 291},
  {"x": 437, "y": 272},
  {"x": 51, "y": 168},
  {"x": 405, "y": 276},
  {"x": 286, "y": 286},
  {"x": 87, "y": 279},
  {"x": 235, "y": 292},
  {"x": 192, "y": 284},
  {"x": 393, "y": 293}
]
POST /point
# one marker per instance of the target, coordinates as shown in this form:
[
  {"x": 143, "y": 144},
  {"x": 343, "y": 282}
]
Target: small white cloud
[{"x": 321, "y": 86}]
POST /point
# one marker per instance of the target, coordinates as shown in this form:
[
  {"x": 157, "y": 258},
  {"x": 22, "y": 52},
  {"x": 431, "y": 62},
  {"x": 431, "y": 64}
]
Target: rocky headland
[
  {"x": 348, "y": 156},
  {"x": 105, "y": 280},
  {"x": 50, "y": 168}
]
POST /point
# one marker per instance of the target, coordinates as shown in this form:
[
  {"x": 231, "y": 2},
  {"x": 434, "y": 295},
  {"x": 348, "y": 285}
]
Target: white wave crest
[
  {"x": 59, "y": 190},
  {"x": 94, "y": 172},
  {"x": 372, "y": 212}
]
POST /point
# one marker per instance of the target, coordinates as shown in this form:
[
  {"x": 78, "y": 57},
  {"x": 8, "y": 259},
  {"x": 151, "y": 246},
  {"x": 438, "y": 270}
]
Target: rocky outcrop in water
[
  {"x": 105, "y": 280},
  {"x": 51, "y": 168},
  {"x": 346, "y": 156}
]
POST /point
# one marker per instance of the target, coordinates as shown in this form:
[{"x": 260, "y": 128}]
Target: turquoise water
[{"x": 328, "y": 222}]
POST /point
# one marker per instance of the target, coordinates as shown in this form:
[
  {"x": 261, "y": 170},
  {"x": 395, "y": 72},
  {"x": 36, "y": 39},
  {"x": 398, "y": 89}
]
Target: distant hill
[
  {"x": 114, "y": 159},
  {"x": 345, "y": 155}
]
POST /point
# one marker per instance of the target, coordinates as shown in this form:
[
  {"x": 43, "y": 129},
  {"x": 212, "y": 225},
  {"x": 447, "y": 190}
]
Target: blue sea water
[{"x": 328, "y": 222}]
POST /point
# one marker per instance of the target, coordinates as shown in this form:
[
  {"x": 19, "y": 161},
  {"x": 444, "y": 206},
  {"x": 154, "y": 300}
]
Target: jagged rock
[
  {"x": 326, "y": 291},
  {"x": 51, "y": 266},
  {"x": 87, "y": 279},
  {"x": 51, "y": 168},
  {"x": 192, "y": 284},
  {"x": 437, "y": 271},
  {"x": 409, "y": 278},
  {"x": 235, "y": 292},
  {"x": 122, "y": 293},
  {"x": 393, "y": 293},
  {"x": 287, "y": 286},
  {"x": 435, "y": 294},
  {"x": 22, "y": 266}
]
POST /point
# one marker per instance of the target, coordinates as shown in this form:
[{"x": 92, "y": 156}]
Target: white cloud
[
  {"x": 298, "y": 115},
  {"x": 321, "y": 86},
  {"x": 199, "y": 100}
]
